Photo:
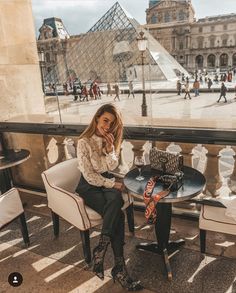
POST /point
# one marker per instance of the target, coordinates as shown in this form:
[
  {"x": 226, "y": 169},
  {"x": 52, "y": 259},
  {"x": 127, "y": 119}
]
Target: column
[
  {"x": 232, "y": 178},
  {"x": 20, "y": 81}
]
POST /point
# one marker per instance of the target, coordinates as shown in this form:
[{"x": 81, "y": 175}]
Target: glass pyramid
[{"x": 108, "y": 52}]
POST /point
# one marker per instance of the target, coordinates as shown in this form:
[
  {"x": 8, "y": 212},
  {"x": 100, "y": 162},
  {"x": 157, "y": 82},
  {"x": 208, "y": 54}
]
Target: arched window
[
  {"x": 212, "y": 41},
  {"x": 199, "y": 61},
  {"x": 47, "y": 57},
  {"x": 167, "y": 17},
  {"x": 181, "y": 15},
  {"x": 154, "y": 19},
  {"x": 234, "y": 59},
  {"x": 223, "y": 60},
  {"x": 211, "y": 60},
  {"x": 224, "y": 39},
  {"x": 200, "y": 42}
]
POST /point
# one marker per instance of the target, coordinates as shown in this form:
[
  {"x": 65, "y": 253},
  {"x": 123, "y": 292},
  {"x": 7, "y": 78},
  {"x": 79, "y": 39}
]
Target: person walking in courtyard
[
  {"x": 131, "y": 89},
  {"x": 117, "y": 92},
  {"x": 196, "y": 86},
  {"x": 187, "y": 90},
  {"x": 97, "y": 152},
  {"x": 109, "y": 91},
  {"x": 223, "y": 91},
  {"x": 209, "y": 83},
  {"x": 178, "y": 87}
]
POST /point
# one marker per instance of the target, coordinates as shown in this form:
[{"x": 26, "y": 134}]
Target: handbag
[{"x": 165, "y": 162}]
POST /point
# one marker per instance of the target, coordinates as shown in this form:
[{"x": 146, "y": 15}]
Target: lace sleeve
[
  {"x": 112, "y": 160},
  {"x": 85, "y": 166}
]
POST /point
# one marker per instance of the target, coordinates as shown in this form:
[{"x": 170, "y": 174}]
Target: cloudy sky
[{"x": 80, "y": 15}]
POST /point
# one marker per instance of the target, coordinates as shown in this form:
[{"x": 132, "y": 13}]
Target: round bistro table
[
  {"x": 10, "y": 158},
  {"x": 193, "y": 184}
]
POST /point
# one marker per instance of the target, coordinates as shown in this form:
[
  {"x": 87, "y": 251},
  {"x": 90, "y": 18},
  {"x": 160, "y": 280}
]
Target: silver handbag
[{"x": 165, "y": 162}]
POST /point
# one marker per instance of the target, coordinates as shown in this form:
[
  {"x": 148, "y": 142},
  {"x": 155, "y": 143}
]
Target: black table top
[
  {"x": 10, "y": 157},
  {"x": 193, "y": 184}
]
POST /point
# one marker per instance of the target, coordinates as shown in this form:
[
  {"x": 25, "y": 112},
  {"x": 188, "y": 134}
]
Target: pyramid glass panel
[{"x": 108, "y": 52}]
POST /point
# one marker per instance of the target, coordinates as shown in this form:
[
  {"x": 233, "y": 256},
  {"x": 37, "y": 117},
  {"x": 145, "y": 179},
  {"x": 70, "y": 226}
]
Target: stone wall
[{"x": 20, "y": 80}]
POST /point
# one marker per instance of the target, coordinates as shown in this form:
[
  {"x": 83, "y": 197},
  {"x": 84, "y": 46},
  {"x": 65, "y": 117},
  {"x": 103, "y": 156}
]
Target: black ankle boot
[
  {"x": 119, "y": 273},
  {"x": 98, "y": 256}
]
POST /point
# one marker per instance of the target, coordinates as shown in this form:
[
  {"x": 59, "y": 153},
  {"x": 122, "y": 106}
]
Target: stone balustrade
[{"x": 216, "y": 162}]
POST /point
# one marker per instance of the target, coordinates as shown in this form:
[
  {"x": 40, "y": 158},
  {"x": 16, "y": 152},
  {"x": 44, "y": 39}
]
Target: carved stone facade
[
  {"x": 55, "y": 42},
  {"x": 208, "y": 43}
]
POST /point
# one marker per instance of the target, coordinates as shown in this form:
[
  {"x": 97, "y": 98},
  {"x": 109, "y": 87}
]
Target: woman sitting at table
[{"x": 97, "y": 151}]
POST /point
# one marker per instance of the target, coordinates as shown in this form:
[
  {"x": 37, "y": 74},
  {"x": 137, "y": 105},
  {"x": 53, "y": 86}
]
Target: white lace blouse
[{"x": 93, "y": 161}]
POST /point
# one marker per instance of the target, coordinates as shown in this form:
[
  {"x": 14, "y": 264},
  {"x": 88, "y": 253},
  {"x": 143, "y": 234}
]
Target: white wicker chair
[{"x": 60, "y": 183}]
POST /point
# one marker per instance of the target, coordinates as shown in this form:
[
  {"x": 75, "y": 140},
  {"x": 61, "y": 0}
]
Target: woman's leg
[
  {"x": 112, "y": 210},
  {"x": 94, "y": 198}
]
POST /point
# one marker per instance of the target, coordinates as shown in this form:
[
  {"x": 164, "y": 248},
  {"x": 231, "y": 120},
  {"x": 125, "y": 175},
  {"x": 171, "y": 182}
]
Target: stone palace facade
[{"x": 207, "y": 43}]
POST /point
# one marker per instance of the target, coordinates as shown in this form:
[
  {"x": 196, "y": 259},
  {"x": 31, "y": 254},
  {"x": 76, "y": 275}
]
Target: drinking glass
[{"x": 139, "y": 162}]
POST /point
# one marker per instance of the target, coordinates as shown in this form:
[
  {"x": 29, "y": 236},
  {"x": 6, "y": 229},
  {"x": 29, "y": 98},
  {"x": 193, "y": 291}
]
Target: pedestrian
[
  {"x": 117, "y": 91},
  {"x": 178, "y": 87},
  {"x": 95, "y": 90},
  {"x": 54, "y": 87},
  {"x": 75, "y": 93},
  {"x": 109, "y": 91},
  {"x": 187, "y": 90},
  {"x": 65, "y": 88},
  {"x": 230, "y": 76},
  {"x": 97, "y": 152},
  {"x": 131, "y": 89},
  {"x": 209, "y": 83},
  {"x": 235, "y": 91},
  {"x": 84, "y": 93},
  {"x": 223, "y": 91},
  {"x": 196, "y": 86}
]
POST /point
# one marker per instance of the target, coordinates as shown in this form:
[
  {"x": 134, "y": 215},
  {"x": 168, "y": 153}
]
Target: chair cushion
[
  {"x": 94, "y": 218},
  {"x": 214, "y": 219}
]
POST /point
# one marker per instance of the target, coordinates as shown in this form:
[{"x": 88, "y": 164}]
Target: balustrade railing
[{"x": 216, "y": 162}]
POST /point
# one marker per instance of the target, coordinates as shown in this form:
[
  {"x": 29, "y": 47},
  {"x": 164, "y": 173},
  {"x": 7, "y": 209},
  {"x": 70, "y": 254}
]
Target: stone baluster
[
  {"x": 232, "y": 178},
  {"x": 61, "y": 148},
  {"x": 161, "y": 145},
  {"x": 123, "y": 166},
  {"x": 54, "y": 149},
  {"x": 187, "y": 153},
  {"x": 212, "y": 174},
  {"x": 70, "y": 147},
  {"x": 137, "y": 148}
]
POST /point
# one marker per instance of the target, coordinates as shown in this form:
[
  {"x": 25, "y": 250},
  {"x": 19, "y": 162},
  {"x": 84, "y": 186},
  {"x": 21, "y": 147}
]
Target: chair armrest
[
  {"x": 209, "y": 202},
  {"x": 69, "y": 206}
]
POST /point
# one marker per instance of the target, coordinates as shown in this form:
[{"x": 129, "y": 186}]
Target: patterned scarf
[{"x": 151, "y": 201}]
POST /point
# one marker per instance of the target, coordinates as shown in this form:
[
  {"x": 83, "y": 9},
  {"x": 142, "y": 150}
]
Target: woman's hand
[
  {"x": 109, "y": 139},
  {"x": 119, "y": 186}
]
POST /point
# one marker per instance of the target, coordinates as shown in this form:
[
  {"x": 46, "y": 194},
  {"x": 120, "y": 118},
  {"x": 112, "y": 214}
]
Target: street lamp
[
  {"x": 142, "y": 46},
  {"x": 41, "y": 65}
]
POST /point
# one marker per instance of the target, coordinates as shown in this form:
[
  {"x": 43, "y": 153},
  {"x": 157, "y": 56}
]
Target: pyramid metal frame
[{"x": 108, "y": 52}]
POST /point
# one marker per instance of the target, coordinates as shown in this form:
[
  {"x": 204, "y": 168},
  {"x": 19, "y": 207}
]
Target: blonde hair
[{"x": 116, "y": 126}]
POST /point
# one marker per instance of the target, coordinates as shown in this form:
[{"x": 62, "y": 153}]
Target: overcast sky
[{"x": 79, "y": 16}]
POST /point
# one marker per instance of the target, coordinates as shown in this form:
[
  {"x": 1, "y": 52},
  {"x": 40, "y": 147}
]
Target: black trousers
[{"x": 107, "y": 202}]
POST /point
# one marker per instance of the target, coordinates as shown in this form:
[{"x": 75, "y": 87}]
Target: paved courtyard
[{"x": 164, "y": 109}]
